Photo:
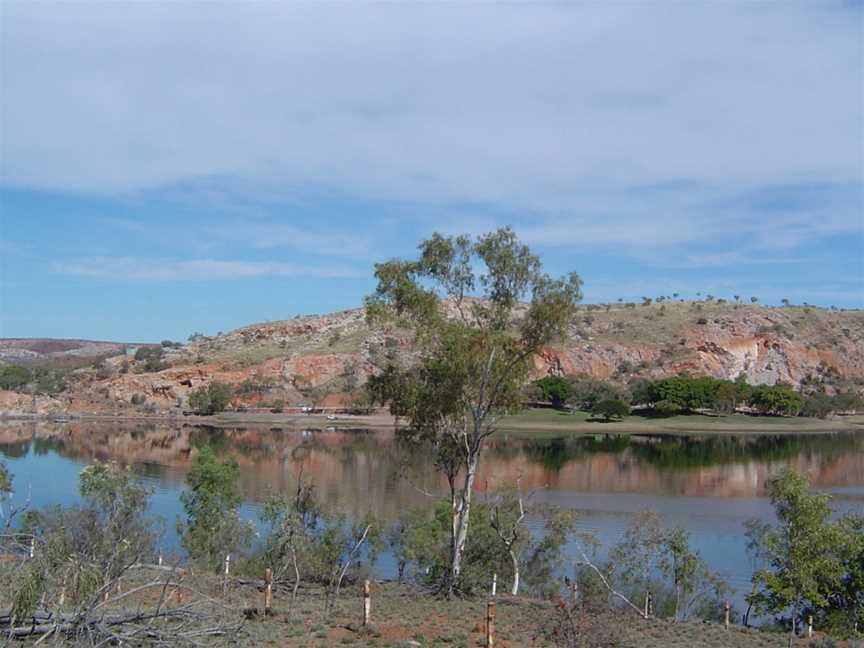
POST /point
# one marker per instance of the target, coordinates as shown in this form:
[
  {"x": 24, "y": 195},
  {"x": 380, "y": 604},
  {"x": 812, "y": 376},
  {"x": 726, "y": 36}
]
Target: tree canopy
[{"x": 480, "y": 310}]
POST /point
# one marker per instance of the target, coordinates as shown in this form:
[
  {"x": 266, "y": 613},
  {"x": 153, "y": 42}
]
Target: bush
[
  {"x": 818, "y": 405},
  {"x": 553, "y": 389},
  {"x": 14, "y": 377},
  {"x": 213, "y": 527},
  {"x": 611, "y": 409},
  {"x": 152, "y": 357},
  {"x": 779, "y": 400},
  {"x": 211, "y": 399},
  {"x": 666, "y": 408},
  {"x": 587, "y": 392}
]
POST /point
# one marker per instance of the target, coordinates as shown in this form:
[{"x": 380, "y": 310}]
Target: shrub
[
  {"x": 211, "y": 399},
  {"x": 666, "y": 408},
  {"x": 213, "y": 526},
  {"x": 554, "y": 389},
  {"x": 14, "y": 377},
  {"x": 587, "y": 392},
  {"x": 779, "y": 400},
  {"x": 152, "y": 357},
  {"x": 611, "y": 409}
]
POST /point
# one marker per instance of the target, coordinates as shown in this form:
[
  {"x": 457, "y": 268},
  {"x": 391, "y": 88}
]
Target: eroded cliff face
[
  {"x": 766, "y": 345},
  {"x": 297, "y": 361}
]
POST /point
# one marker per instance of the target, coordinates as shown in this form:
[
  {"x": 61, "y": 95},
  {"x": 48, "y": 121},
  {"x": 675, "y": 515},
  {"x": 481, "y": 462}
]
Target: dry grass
[{"x": 402, "y": 615}]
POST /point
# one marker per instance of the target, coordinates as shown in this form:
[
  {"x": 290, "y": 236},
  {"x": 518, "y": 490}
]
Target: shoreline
[{"x": 534, "y": 423}]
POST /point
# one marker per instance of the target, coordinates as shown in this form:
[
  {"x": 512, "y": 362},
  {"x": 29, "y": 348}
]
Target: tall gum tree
[{"x": 480, "y": 310}]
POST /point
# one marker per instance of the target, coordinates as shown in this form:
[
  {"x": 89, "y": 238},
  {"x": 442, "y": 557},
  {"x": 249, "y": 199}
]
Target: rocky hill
[
  {"x": 304, "y": 360},
  {"x": 47, "y": 352}
]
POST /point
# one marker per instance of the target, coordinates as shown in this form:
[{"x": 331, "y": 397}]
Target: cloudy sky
[{"x": 168, "y": 167}]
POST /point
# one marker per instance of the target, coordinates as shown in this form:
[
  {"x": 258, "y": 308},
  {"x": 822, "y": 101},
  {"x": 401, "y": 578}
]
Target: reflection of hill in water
[{"x": 359, "y": 469}]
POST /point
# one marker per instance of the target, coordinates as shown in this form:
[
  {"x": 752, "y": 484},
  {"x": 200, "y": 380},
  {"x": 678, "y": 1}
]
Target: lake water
[{"x": 708, "y": 485}]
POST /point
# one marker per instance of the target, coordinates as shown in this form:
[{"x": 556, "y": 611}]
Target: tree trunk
[
  {"x": 460, "y": 516},
  {"x": 794, "y": 625},
  {"x": 515, "y": 589}
]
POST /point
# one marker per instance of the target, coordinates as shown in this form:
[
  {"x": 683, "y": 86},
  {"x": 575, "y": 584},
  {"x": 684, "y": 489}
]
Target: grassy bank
[
  {"x": 547, "y": 422},
  {"x": 529, "y": 424}
]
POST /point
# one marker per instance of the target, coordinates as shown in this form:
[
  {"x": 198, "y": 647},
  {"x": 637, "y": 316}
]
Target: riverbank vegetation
[
  {"x": 90, "y": 575},
  {"x": 684, "y": 394}
]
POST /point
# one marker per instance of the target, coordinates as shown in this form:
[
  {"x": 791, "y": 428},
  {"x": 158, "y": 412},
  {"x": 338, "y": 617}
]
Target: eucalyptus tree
[
  {"x": 480, "y": 310},
  {"x": 805, "y": 557}
]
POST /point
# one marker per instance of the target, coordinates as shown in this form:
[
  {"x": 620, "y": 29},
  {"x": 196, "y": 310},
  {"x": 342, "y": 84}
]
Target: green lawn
[{"x": 547, "y": 422}]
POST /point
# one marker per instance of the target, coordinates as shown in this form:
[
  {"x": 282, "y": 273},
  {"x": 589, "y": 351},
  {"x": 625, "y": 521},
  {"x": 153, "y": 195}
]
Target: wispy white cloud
[
  {"x": 144, "y": 269},
  {"x": 522, "y": 105},
  {"x": 316, "y": 240},
  {"x": 679, "y": 135}
]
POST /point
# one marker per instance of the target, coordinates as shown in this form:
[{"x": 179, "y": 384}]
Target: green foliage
[
  {"x": 81, "y": 549},
  {"x": 611, "y": 409},
  {"x": 553, "y": 389},
  {"x": 586, "y": 392},
  {"x": 14, "y": 377},
  {"x": 777, "y": 399},
  {"x": 420, "y": 541},
  {"x": 475, "y": 354},
  {"x": 681, "y": 394},
  {"x": 542, "y": 559},
  {"x": 49, "y": 381},
  {"x": 152, "y": 357},
  {"x": 821, "y": 405},
  {"x": 807, "y": 561},
  {"x": 211, "y": 399},
  {"x": 652, "y": 557},
  {"x": 39, "y": 380},
  {"x": 212, "y": 527},
  {"x": 306, "y": 542},
  {"x": 5, "y": 481}
]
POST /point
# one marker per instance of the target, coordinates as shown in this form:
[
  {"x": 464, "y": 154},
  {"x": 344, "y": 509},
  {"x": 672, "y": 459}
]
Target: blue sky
[{"x": 167, "y": 169}]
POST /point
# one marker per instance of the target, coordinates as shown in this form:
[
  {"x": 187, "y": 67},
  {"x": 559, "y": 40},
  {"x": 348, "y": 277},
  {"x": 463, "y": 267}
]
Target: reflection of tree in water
[
  {"x": 693, "y": 452},
  {"x": 554, "y": 454},
  {"x": 45, "y": 445},
  {"x": 14, "y": 450},
  {"x": 231, "y": 440},
  {"x": 679, "y": 452}
]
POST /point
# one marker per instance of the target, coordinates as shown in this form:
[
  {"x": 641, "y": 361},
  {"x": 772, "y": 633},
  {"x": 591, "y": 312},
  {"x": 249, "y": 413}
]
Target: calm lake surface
[{"x": 709, "y": 485}]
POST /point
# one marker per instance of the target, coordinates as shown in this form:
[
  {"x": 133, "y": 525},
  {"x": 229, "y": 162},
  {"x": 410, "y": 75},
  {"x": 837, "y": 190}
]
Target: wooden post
[
  {"x": 227, "y": 570},
  {"x": 490, "y": 624},
  {"x": 494, "y": 583},
  {"x": 726, "y": 609},
  {"x": 810, "y": 626},
  {"x": 268, "y": 590},
  {"x": 647, "y": 610},
  {"x": 160, "y": 560},
  {"x": 367, "y": 603}
]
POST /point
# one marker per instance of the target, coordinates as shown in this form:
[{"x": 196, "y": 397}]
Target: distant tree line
[
  {"x": 38, "y": 380},
  {"x": 685, "y": 395}
]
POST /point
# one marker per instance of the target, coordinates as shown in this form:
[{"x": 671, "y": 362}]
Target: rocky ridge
[{"x": 300, "y": 361}]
